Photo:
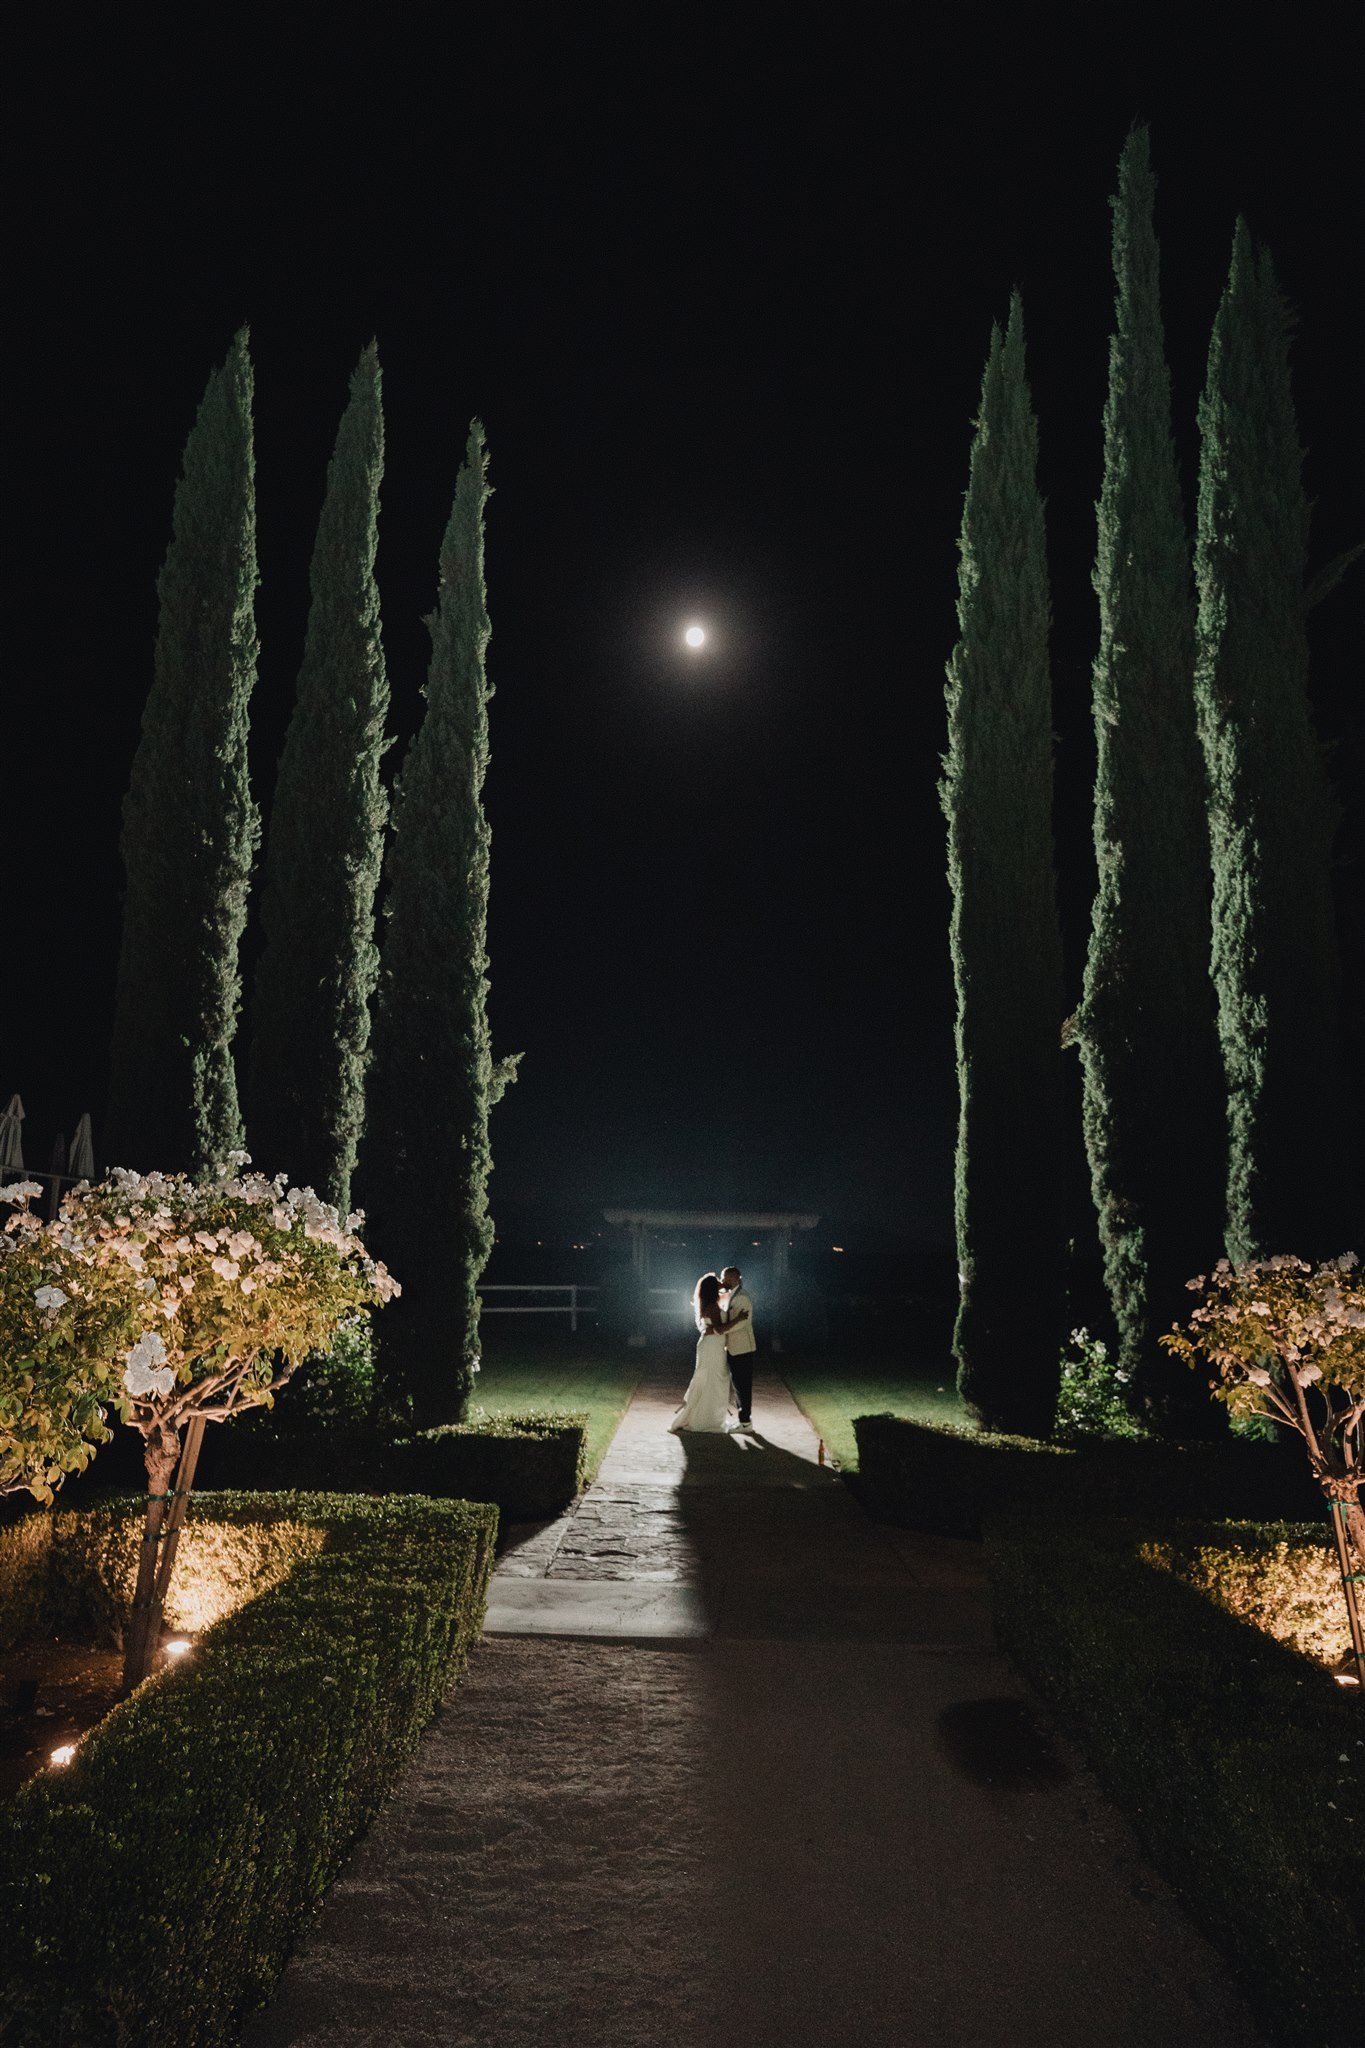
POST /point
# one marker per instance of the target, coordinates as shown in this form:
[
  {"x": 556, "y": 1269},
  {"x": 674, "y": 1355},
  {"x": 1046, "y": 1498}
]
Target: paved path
[{"x": 733, "y": 1766}]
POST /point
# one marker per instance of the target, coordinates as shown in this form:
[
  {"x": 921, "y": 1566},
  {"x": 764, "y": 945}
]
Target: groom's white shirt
[{"x": 741, "y": 1336}]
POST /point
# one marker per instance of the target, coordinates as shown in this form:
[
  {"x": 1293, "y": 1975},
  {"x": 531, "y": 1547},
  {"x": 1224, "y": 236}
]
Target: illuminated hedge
[
  {"x": 154, "y": 1889},
  {"x": 1239, "y": 1763}
]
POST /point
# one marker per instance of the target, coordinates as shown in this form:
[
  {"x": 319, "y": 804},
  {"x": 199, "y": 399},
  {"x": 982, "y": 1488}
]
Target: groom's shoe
[{"x": 746, "y": 1422}]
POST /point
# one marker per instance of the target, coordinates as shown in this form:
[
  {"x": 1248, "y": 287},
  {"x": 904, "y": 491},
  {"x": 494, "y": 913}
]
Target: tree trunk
[{"x": 162, "y": 1455}]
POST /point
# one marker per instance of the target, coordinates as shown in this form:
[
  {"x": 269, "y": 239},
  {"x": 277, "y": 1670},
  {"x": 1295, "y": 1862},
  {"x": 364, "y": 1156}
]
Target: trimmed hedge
[
  {"x": 530, "y": 1466},
  {"x": 945, "y": 1479},
  {"x": 74, "y": 1573},
  {"x": 154, "y": 1888},
  {"x": 1241, "y": 1765}
]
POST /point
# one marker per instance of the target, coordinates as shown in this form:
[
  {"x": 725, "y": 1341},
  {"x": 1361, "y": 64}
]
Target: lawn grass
[
  {"x": 520, "y": 1377},
  {"x": 831, "y": 1390}
]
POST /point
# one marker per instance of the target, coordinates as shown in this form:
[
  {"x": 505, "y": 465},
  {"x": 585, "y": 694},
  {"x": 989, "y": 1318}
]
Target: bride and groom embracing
[{"x": 725, "y": 1351}]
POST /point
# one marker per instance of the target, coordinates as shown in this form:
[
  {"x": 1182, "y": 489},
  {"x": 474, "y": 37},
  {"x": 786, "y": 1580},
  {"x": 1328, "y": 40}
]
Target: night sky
[{"x": 721, "y": 296}]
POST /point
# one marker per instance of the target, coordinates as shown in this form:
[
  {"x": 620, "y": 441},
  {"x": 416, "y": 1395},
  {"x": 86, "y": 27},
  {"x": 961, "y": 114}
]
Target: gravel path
[{"x": 808, "y": 1800}]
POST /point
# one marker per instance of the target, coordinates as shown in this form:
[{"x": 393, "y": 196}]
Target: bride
[{"x": 707, "y": 1401}]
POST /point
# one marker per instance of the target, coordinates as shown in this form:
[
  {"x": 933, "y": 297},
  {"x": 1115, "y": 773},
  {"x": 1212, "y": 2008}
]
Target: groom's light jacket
[{"x": 741, "y": 1337}]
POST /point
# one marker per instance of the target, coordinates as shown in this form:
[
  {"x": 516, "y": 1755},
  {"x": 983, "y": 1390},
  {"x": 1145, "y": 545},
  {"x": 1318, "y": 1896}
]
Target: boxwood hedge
[
  {"x": 937, "y": 1477},
  {"x": 530, "y": 1466},
  {"x": 154, "y": 1888},
  {"x": 1240, "y": 1763}
]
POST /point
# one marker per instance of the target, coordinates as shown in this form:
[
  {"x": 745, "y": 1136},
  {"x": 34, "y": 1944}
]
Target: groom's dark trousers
[{"x": 742, "y": 1373}]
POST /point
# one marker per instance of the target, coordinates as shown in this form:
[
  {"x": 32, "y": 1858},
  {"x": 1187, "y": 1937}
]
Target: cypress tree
[
  {"x": 1154, "y": 1105},
  {"x": 434, "y": 1079},
  {"x": 324, "y": 850},
  {"x": 1006, "y": 944},
  {"x": 1272, "y": 811},
  {"x": 190, "y": 828}
]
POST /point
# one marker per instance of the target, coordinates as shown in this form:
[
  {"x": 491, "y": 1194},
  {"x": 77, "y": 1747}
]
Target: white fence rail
[{"x": 669, "y": 1301}]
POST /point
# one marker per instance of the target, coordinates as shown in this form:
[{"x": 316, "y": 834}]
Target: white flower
[
  {"x": 248, "y": 1286},
  {"x": 20, "y": 1190},
  {"x": 226, "y": 1269},
  {"x": 49, "y": 1299},
  {"x": 1258, "y": 1376},
  {"x": 144, "y": 1371},
  {"x": 1308, "y": 1373}
]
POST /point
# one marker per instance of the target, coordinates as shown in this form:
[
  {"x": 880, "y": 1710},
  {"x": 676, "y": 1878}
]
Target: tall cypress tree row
[
  {"x": 434, "y": 1079},
  {"x": 1154, "y": 1102},
  {"x": 1272, "y": 810},
  {"x": 324, "y": 850},
  {"x": 190, "y": 828},
  {"x": 1006, "y": 943}
]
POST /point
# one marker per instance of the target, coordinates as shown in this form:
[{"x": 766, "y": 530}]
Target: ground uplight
[{"x": 63, "y": 1753}]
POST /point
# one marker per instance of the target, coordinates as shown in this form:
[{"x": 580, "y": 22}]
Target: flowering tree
[
  {"x": 64, "y": 1327},
  {"x": 223, "y": 1288},
  {"x": 1288, "y": 1342}
]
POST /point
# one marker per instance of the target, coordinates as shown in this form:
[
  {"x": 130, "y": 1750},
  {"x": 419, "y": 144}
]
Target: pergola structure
[{"x": 775, "y": 1224}]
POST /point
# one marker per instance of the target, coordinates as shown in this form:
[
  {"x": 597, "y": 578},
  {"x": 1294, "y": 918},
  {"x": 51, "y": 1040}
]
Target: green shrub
[
  {"x": 531, "y": 1466},
  {"x": 1282, "y": 1577},
  {"x": 1093, "y": 1396},
  {"x": 154, "y": 1888},
  {"x": 946, "y": 1479},
  {"x": 1241, "y": 1765}
]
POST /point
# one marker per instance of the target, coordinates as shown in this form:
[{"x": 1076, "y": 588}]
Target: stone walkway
[{"x": 734, "y": 1766}]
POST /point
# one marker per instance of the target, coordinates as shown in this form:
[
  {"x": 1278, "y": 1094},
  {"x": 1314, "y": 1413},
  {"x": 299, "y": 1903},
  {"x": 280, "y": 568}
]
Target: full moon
[{"x": 695, "y": 636}]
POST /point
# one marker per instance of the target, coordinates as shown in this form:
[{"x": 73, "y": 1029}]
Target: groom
[{"x": 740, "y": 1343}]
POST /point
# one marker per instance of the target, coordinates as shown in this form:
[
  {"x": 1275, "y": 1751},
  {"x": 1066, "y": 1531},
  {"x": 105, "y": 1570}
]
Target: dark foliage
[
  {"x": 1294, "y": 1180},
  {"x": 154, "y": 1889},
  {"x": 1154, "y": 1106},
  {"x": 927, "y": 1476},
  {"x": 324, "y": 850},
  {"x": 1222, "y": 1747},
  {"x": 190, "y": 828},
  {"x": 434, "y": 1079},
  {"x": 1006, "y": 945}
]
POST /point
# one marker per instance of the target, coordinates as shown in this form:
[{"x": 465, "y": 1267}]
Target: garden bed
[
  {"x": 154, "y": 1887},
  {"x": 1240, "y": 1762}
]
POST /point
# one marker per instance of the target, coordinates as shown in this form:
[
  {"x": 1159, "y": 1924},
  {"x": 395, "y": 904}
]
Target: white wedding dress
[{"x": 706, "y": 1403}]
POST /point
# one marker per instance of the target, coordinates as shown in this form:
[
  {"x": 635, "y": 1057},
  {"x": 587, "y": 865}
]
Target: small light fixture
[
  {"x": 178, "y": 1646},
  {"x": 63, "y": 1753},
  {"x": 695, "y": 636}
]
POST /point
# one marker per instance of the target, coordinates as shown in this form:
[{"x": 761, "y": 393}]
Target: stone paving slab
[{"x": 623, "y": 1611}]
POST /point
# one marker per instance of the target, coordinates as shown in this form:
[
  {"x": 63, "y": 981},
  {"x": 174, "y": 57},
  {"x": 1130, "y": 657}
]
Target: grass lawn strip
[
  {"x": 596, "y": 1384},
  {"x": 832, "y": 1391}
]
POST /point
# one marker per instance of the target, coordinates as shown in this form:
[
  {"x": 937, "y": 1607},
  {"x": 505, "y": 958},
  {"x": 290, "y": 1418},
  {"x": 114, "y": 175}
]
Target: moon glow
[{"x": 695, "y": 636}]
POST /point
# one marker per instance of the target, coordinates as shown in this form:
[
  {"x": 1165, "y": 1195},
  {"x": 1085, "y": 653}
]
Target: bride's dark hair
[{"x": 706, "y": 1302}]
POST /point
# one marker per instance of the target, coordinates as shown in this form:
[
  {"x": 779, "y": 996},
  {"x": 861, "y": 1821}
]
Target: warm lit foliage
[
  {"x": 164, "y": 1297},
  {"x": 1288, "y": 1342},
  {"x": 64, "y": 1324}
]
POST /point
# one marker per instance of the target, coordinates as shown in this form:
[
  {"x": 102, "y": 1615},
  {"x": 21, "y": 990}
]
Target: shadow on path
[{"x": 734, "y": 1766}]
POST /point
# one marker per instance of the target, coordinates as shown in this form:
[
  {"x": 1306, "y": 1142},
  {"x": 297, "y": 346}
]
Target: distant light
[
  {"x": 63, "y": 1753},
  {"x": 178, "y": 1646},
  {"x": 1347, "y": 1678},
  {"x": 836, "y": 1247},
  {"x": 695, "y": 636}
]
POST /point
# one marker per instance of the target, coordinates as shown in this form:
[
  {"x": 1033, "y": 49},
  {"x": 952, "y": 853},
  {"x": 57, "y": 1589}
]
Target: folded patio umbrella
[
  {"x": 11, "y": 1137},
  {"x": 80, "y": 1160}
]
